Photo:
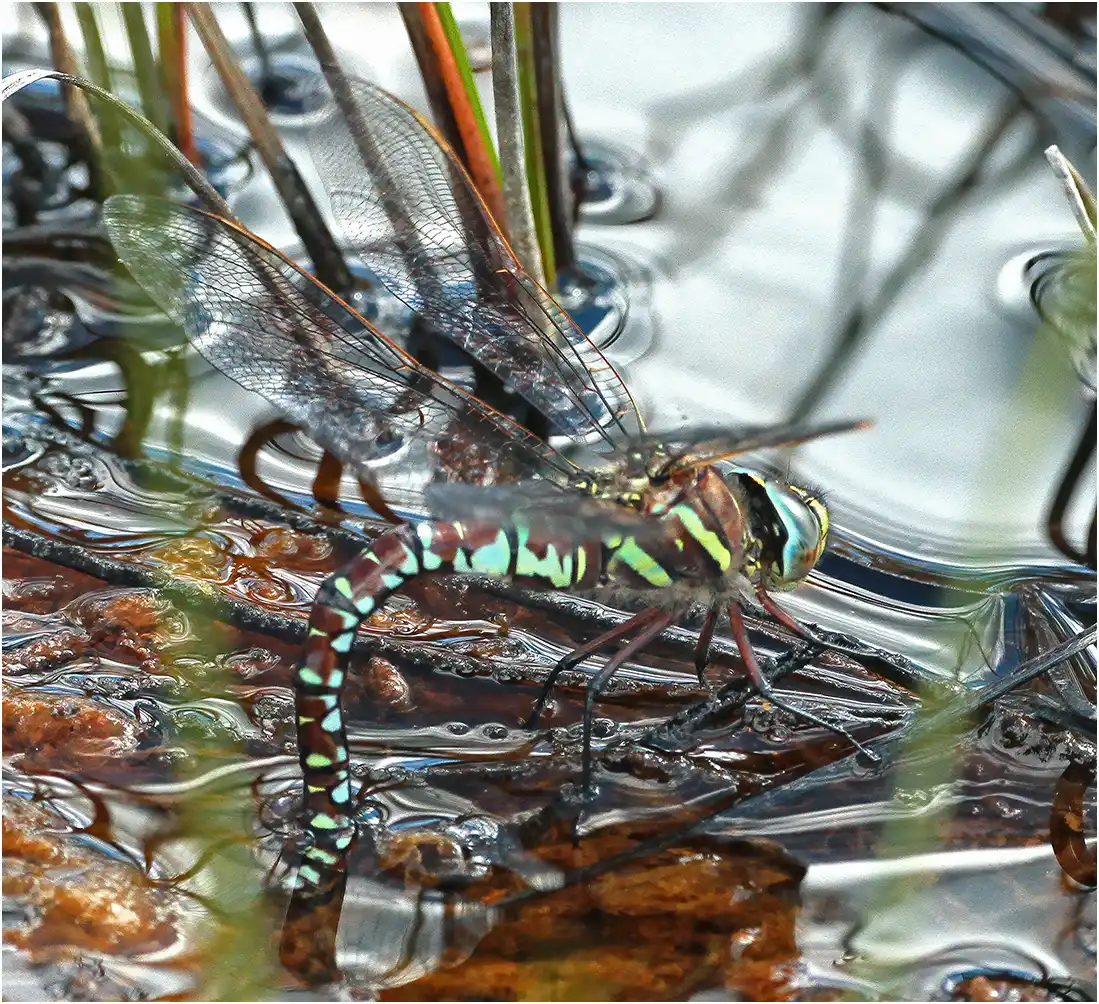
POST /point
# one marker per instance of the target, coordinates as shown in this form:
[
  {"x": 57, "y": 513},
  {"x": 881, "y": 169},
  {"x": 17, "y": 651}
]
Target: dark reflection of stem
[
  {"x": 855, "y": 253},
  {"x": 1085, "y": 450},
  {"x": 580, "y": 166},
  {"x": 862, "y": 318}
]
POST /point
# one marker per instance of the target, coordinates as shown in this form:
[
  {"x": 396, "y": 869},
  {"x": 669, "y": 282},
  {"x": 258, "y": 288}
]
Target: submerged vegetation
[{"x": 581, "y": 710}]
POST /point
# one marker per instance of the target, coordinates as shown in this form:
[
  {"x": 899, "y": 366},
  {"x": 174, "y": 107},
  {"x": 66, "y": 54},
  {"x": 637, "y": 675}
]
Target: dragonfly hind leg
[
  {"x": 653, "y": 626},
  {"x": 577, "y": 656}
]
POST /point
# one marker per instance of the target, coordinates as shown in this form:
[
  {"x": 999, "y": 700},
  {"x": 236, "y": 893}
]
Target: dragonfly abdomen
[{"x": 351, "y": 595}]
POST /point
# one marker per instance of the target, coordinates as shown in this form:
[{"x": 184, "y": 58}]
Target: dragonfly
[{"x": 661, "y": 521}]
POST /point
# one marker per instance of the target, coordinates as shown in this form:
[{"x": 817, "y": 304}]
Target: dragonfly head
[{"x": 791, "y": 525}]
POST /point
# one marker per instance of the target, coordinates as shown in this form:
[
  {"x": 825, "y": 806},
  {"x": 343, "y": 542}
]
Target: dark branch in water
[
  {"x": 547, "y": 76},
  {"x": 328, "y": 263}
]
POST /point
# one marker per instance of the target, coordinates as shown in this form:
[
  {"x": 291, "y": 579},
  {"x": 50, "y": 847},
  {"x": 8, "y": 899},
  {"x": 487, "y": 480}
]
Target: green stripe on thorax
[
  {"x": 631, "y": 554},
  {"x": 709, "y": 540}
]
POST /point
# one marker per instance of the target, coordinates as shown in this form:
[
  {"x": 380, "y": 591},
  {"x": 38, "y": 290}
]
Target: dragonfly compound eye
[{"x": 805, "y": 520}]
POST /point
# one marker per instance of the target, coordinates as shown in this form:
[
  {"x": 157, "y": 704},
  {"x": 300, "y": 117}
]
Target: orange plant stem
[
  {"x": 480, "y": 165},
  {"x": 184, "y": 127}
]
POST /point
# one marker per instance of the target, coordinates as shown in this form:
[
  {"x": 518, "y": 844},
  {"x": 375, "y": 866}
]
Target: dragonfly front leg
[{"x": 705, "y": 639}]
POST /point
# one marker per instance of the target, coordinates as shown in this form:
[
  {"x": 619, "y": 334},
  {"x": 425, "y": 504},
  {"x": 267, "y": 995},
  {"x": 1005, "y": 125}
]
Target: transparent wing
[
  {"x": 692, "y": 447},
  {"x": 414, "y": 218},
  {"x": 572, "y": 517},
  {"x": 273, "y": 329}
]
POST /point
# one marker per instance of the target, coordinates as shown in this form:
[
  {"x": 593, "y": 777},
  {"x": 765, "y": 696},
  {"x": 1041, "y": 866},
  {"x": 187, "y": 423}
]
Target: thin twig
[
  {"x": 259, "y": 47},
  {"x": 328, "y": 263}
]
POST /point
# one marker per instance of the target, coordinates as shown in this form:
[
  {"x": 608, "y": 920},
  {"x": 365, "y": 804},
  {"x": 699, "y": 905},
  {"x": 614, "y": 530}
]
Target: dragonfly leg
[
  {"x": 577, "y": 656},
  {"x": 326, "y": 483},
  {"x": 248, "y": 456},
  {"x": 782, "y": 616},
  {"x": 763, "y": 686},
  {"x": 653, "y": 626},
  {"x": 705, "y": 637}
]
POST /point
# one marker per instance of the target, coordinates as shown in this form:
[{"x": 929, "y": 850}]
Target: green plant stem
[
  {"x": 536, "y": 175},
  {"x": 98, "y": 70},
  {"x": 509, "y": 131},
  {"x": 145, "y": 68},
  {"x": 461, "y": 57}
]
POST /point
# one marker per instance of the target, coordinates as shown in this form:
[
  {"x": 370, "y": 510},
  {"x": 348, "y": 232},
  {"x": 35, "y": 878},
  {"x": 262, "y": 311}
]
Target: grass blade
[
  {"x": 145, "y": 69},
  {"x": 1076, "y": 189}
]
